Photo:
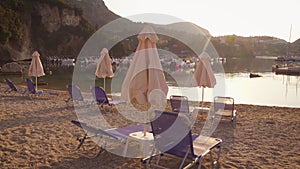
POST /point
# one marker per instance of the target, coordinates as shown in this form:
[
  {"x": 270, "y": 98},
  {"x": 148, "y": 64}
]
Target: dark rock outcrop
[{"x": 12, "y": 68}]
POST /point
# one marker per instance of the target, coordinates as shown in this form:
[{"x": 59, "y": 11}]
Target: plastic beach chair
[
  {"x": 76, "y": 95},
  {"x": 179, "y": 104},
  {"x": 31, "y": 89},
  {"x": 12, "y": 88},
  {"x": 102, "y": 99},
  {"x": 104, "y": 136},
  {"x": 224, "y": 107},
  {"x": 187, "y": 147}
]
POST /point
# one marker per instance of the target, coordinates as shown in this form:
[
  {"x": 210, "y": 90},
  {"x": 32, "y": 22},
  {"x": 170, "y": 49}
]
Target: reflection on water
[
  {"x": 245, "y": 65},
  {"x": 270, "y": 89}
]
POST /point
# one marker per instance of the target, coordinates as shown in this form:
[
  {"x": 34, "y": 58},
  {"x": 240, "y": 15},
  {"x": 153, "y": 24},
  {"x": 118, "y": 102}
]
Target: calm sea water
[{"x": 270, "y": 89}]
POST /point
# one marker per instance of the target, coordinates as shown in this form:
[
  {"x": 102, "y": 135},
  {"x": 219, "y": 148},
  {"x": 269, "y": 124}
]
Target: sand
[{"x": 37, "y": 133}]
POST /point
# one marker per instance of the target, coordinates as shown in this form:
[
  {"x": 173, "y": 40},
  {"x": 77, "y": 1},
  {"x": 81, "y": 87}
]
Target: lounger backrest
[
  {"x": 10, "y": 84},
  {"x": 179, "y": 104},
  {"x": 167, "y": 128},
  {"x": 30, "y": 86},
  {"x": 75, "y": 92},
  {"x": 223, "y": 103},
  {"x": 99, "y": 95}
]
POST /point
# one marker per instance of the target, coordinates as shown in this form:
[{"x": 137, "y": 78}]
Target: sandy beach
[{"x": 37, "y": 133}]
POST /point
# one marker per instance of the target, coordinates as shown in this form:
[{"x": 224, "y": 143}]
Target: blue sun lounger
[
  {"x": 224, "y": 107},
  {"x": 31, "y": 89},
  {"x": 102, "y": 99},
  {"x": 190, "y": 147},
  {"x": 76, "y": 95},
  {"x": 119, "y": 134},
  {"x": 179, "y": 104},
  {"x": 12, "y": 88}
]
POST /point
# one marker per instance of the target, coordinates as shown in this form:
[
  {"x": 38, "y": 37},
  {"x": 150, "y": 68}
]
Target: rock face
[
  {"x": 53, "y": 19},
  {"x": 50, "y": 27},
  {"x": 95, "y": 11},
  {"x": 12, "y": 68},
  {"x": 50, "y": 17},
  {"x": 69, "y": 18}
]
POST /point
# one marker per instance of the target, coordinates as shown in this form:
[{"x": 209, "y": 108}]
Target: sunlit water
[{"x": 270, "y": 89}]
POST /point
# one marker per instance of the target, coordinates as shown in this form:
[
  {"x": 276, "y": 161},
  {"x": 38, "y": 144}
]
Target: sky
[{"x": 223, "y": 17}]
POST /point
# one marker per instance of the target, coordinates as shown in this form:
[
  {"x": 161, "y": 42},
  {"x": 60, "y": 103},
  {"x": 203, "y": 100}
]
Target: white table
[{"x": 145, "y": 142}]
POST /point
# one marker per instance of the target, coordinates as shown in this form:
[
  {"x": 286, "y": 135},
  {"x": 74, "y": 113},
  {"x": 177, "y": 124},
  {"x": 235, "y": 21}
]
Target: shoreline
[
  {"x": 44, "y": 87},
  {"x": 37, "y": 133}
]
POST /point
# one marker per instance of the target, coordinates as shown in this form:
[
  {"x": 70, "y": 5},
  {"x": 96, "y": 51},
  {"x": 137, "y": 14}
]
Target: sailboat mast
[{"x": 287, "y": 50}]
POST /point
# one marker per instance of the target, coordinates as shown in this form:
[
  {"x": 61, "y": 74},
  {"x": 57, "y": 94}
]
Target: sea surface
[
  {"x": 232, "y": 80},
  {"x": 270, "y": 89}
]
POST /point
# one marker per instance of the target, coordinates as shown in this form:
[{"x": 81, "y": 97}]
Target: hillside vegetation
[
  {"x": 241, "y": 47},
  {"x": 61, "y": 27},
  {"x": 52, "y": 27}
]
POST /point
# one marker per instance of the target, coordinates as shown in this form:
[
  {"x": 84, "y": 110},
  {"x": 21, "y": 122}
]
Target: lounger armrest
[
  {"x": 116, "y": 102},
  {"x": 46, "y": 92},
  {"x": 234, "y": 113},
  {"x": 93, "y": 129}
]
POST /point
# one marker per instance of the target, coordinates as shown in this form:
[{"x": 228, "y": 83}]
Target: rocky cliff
[
  {"x": 50, "y": 26},
  {"x": 95, "y": 11}
]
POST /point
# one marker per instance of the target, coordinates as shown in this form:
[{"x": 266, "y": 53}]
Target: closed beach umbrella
[
  {"x": 145, "y": 81},
  {"x": 204, "y": 76},
  {"x": 104, "y": 67},
  {"x": 36, "y": 68}
]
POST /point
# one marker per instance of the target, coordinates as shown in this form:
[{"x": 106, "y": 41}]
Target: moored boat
[
  {"x": 288, "y": 70},
  {"x": 254, "y": 75},
  {"x": 288, "y": 59}
]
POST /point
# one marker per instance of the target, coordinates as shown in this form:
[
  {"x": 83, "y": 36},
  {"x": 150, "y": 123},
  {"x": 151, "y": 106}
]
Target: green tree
[
  {"x": 230, "y": 39},
  {"x": 4, "y": 35}
]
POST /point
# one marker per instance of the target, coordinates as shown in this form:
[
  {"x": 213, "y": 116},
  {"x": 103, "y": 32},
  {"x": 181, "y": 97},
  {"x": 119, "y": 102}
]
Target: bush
[{"x": 4, "y": 35}]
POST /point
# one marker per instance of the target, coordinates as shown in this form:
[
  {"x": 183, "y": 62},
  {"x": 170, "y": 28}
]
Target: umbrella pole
[
  {"x": 36, "y": 76},
  {"x": 145, "y": 126},
  {"x": 104, "y": 84},
  {"x": 202, "y": 99},
  {"x": 145, "y": 130},
  {"x": 36, "y": 83}
]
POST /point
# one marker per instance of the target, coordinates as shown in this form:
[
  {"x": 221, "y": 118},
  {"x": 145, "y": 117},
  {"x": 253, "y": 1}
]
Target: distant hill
[
  {"x": 61, "y": 27},
  {"x": 241, "y": 47},
  {"x": 183, "y": 38},
  {"x": 295, "y": 48},
  {"x": 188, "y": 27}
]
